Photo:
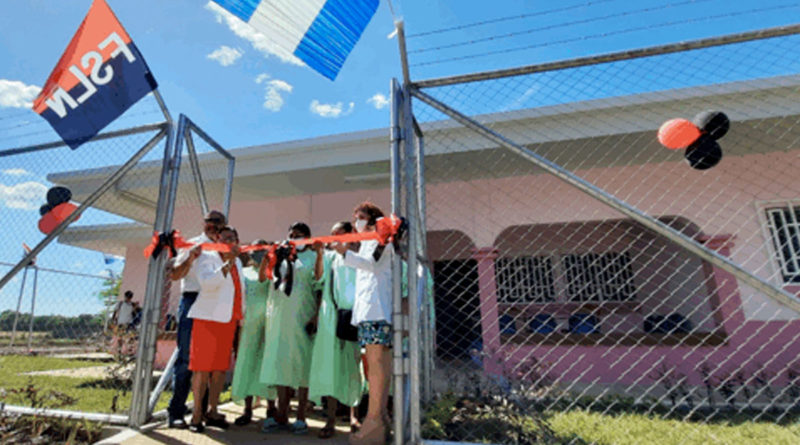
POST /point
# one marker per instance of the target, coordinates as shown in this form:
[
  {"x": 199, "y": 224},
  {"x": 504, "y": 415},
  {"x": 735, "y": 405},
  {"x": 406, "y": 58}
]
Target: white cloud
[
  {"x": 16, "y": 172},
  {"x": 273, "y": 100},
  {"x": 26, "y": 195},
  {"x": 225, "y": 55},
  {"x": 15, "y": 94},
  {"x": 331, "y": 110},
  {"x": 258, "y": 40},
  {"x": 379, "y": 101}
]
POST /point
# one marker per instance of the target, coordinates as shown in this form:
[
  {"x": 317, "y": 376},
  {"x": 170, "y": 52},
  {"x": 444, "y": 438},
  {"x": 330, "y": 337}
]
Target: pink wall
[{"x": 722, "y": 203}]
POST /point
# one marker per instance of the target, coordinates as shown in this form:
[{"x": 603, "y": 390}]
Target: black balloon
[
  {"x": 704, "y": 153},
  {"x": 714, "y": 123},
  {"x": 45, "y": 209},
  {"x": 58, "y": 195}
]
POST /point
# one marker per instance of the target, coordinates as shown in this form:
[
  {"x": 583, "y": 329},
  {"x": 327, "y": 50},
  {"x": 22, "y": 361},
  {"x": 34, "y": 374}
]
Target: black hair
[
  {"x": 347, "y": 226},
  {"x": 301, "y": 227},
  {"x": 128, "y": 293}
]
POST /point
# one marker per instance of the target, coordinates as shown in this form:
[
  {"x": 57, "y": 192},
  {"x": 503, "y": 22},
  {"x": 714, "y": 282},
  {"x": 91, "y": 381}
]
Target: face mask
[{"x": 361, "y": 224}]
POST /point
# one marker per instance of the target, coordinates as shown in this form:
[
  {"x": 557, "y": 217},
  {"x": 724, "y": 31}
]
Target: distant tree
[{"x": 110, "y": 289}]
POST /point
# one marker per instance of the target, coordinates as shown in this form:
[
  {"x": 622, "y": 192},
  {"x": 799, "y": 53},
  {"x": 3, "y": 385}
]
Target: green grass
[
  {"x": 91, "y": 394},
  {"x": 630, "y": 429},
  {"x": 450, "y": 419}
]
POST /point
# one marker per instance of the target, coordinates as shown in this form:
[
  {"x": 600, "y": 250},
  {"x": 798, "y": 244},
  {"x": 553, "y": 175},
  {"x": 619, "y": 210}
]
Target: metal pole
[
  {"x": 83, "y": 206},
  {"x": 33, "y": 305},
  {"x": 148, "y": 334},
  {"x": 397, "y": 303},
  {"x": 601, "y": 195},
  {"x": 401, "y": 41},
  {"x": 163, "y": 381},
  {"x": 427, "y": 343},
  {"x": 113, "y": 419},
  {"x": 767, "y": 33},
  {"x": 99, "y": 137},
  {"x": 229, "y": 187},
  {"x": 19, "y": 306},
  {"x": 412, "y": 269},
  {"x": 162, "y": 105},
  {"x": 198, "y": 177}
]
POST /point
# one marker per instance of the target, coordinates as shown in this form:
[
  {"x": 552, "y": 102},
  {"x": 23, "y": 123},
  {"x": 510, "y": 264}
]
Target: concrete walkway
[{"x": 249, "y": 434}]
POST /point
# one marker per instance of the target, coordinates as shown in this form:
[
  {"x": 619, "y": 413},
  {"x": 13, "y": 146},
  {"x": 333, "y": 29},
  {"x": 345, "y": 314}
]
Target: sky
[{"x": 233, "y": 84}]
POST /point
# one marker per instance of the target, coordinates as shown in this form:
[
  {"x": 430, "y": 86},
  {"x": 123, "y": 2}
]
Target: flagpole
[{"x": 162, "y": 105}]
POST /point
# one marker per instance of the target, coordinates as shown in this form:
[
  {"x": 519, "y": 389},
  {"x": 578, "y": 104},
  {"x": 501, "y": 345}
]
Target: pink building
[{"x": 528, "y": 265}]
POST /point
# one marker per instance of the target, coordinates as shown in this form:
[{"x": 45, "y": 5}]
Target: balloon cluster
[
  {"x": 57, "y": 209},
  {"x": 698, "y": 136}
]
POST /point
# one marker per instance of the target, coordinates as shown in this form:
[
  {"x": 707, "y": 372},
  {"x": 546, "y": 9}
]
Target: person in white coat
[
  {"x": 215, "y": 314},
  {"x": 372, "y": 313}
]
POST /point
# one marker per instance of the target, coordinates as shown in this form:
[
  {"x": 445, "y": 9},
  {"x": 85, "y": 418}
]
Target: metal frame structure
[{"x": 416, "y": 186}]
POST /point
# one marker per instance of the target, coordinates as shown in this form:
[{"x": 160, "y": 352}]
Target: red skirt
[{"x": 212, "y": 344}]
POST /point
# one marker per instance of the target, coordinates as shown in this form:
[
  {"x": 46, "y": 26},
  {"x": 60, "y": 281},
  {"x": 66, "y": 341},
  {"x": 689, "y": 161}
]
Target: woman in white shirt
[
  {"x": 372, "y": 313},
  {"x": 215, "y": 314}
]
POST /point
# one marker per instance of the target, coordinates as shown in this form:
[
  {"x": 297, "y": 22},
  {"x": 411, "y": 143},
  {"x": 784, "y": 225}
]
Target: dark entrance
[{"x": 456, "y": 296}]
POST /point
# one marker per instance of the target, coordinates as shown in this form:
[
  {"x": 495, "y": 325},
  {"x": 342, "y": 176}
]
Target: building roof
[{"x": 356, "y": 160}]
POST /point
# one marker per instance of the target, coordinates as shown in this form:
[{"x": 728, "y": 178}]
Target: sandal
[
  {"x": 244, "y": 419},
  {"x": 270, "y": 425},
  {"x": 299, "y": 427},
  {"x": 326, "y": 432},
  {"x": 354, "y": 427}
]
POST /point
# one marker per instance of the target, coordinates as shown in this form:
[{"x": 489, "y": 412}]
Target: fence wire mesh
[
  {"x": 67, "y": 338},
  {"x": 563, "y": 315}
]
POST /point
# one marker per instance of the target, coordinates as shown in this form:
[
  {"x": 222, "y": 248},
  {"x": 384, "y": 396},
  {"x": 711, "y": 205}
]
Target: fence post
[
  {"x": 398, "y": 319},
  {"x": 156, "y": 274}
]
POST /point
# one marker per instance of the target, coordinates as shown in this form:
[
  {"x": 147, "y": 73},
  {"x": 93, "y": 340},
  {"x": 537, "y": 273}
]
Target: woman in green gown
[
  {"x": 250, "y": 352},
  {"x": 335, "y": 372},
  {"x": 288, "y": 341}
]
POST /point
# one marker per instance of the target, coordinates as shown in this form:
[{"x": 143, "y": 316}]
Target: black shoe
[
  {"x": 218, "y": 422},
  {"x": 243, "y": 420},
  {"x": 178, "y": 424},
  {"x": 197, "y": 428}
]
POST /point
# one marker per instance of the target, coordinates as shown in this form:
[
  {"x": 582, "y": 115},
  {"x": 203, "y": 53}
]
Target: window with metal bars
[
  {"x": 596, "y": 277},
  {"x": 784, "y": 226},
  {"x": 525, "y": 279}
]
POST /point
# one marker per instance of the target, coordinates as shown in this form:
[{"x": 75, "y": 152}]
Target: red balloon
[
  {"x": 53, "y": 218},
  {"x": 678, "y": 133}
]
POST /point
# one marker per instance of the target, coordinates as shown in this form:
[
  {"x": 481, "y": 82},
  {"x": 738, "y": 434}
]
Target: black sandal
[
  {"x": 326, "y": 432},
  {"x": 197, "y": 427},
  {"x": 244, "y": 419}
]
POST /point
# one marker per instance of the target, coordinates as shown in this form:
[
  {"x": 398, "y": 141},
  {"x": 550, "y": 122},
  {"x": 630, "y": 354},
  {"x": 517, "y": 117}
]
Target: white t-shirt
[
  {"x": 124, "y": 313},
  {"x": 189, "y": 283},
  {"x": 373, "y": 300}
]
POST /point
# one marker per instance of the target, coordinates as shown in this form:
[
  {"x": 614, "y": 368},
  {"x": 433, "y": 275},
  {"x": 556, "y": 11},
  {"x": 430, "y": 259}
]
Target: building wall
[{"x": 481, "y": 210}]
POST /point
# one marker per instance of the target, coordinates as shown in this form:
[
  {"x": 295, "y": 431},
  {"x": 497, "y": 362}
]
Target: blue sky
[{"x": 214, "y": 70}]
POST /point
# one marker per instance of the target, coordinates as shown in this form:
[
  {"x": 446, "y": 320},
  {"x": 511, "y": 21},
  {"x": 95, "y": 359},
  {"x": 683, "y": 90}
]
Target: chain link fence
[
  {"x": 578, "y": 314},
  {"x": 68, "y": 341}
]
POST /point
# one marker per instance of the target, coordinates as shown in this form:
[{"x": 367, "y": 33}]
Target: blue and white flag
[{"x": 321, "y": 33}]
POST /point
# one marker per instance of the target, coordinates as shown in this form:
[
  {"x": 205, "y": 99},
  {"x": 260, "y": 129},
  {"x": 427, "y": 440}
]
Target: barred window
[
  {"x": 599, "y": 277},
  {"x": 525, "y": 279},
  {"x": 784, "y": 226}
]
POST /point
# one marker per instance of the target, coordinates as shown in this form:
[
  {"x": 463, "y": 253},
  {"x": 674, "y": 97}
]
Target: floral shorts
[{"x": 375, "y": 333}]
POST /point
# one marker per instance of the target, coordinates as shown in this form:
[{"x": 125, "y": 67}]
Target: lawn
[
  {"x": 630, "y": 429},
  {"x": 456, "y": 418},
  {"x": 91, "y": 394}
]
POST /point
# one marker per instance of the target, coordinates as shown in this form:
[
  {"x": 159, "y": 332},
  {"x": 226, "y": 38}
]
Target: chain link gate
[
  {"x": 125, "y": 189},
  {"x": 660, "y": 294}
]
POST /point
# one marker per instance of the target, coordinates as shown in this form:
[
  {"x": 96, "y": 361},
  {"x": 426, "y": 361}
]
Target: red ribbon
[{"x": 386, "y": 229}]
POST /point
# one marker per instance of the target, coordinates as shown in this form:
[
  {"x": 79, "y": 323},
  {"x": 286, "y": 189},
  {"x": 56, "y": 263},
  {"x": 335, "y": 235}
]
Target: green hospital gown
[
  {"x": 287, "y": 349},
  {"x": 251, "y": 341},
  {"x": 335, "y": 363}
]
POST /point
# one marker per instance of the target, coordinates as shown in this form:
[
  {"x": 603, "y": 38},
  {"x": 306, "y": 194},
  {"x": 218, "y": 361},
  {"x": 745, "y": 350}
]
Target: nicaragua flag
[
  {"x": 99, "y": 76},
  {"x": 321, "y": 33}
]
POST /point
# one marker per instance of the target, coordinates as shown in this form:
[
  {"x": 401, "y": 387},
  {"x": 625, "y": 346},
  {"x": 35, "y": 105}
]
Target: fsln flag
[
  {"x": 321, "y": 33},
  {"x": 99, "y": 76}
]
